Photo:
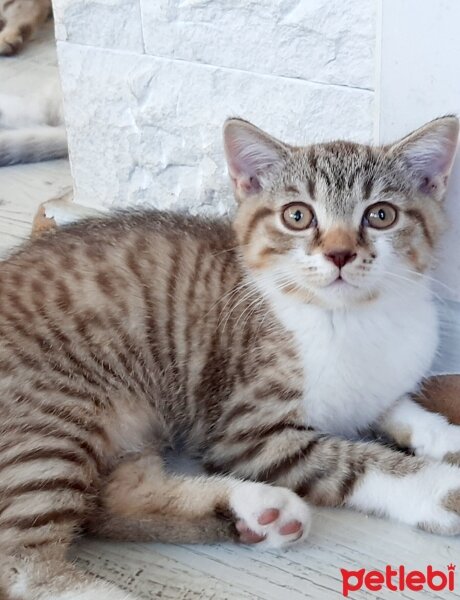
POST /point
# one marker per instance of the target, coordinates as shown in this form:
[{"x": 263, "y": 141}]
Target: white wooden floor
[{"x": 339, "y": 539}]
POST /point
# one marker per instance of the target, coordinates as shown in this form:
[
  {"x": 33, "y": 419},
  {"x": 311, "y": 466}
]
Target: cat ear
[
  {"x": 429, "y": 154},
  {"x": 251, "y": 155}
]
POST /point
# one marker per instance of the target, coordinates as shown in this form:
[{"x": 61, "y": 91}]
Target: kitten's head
[{"x": 336, "y": 224}]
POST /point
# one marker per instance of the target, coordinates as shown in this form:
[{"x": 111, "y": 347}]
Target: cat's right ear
[
  {"x": 429, "y": 153},
  {"x": 252, "y": 155}
]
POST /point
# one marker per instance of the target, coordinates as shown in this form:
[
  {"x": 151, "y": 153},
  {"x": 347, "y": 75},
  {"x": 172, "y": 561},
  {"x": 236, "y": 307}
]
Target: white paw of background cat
[{"x": 271, "y": 517}]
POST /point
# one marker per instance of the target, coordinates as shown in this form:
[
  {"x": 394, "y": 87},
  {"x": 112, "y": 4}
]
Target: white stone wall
[{"x": 148, "y": 83}]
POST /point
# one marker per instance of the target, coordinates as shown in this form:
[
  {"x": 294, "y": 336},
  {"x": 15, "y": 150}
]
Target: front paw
[
  {"x": 269, "y": 516},
  {"x": 11, "y": 41},
  {"x": 441, "y": 444},
  {"x": 440, "y": 513}
]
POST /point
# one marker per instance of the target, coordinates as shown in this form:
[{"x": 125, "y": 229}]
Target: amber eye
[
  {"x": 381, "y": 215},
  {"x": 297, "y": 216}
]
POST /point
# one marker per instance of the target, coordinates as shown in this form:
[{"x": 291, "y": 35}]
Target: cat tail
[{"x": 31, "y": 145}]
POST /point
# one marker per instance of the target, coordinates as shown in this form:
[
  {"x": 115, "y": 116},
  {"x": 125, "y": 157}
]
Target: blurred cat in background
[
  {"x": 19, "y": 19},
  {"x": 32, "y": 128}
]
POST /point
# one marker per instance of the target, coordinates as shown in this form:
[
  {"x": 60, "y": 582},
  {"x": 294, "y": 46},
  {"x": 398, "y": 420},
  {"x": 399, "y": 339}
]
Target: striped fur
[{"x": 125, "y": 335}]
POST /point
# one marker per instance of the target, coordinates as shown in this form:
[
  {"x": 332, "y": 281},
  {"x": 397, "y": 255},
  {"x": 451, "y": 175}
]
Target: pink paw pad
[{"x": 269, "y": 516}]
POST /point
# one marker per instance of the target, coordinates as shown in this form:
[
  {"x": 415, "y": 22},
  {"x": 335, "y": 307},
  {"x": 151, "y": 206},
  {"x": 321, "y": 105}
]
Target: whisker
[
  {"x": 233, "y": 249},
  {"x": 226, "y": 317},
  {"x": 230, "y": 292},
  {"x": 414, "y": 282}
]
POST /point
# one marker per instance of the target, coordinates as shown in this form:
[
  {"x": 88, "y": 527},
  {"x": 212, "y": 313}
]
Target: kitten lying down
[{"x": 264, "y": 346}]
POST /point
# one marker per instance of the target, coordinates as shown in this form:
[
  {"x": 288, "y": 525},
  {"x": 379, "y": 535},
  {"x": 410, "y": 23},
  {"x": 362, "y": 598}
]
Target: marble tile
[
  {"x": 148, "y": 130},
  {"x": 330, "y": 41},
  {"x": 103, "y": 23}
]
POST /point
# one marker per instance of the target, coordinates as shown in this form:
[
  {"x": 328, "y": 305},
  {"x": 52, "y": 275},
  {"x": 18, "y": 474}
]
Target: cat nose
[{"x": 341, "y": 257}]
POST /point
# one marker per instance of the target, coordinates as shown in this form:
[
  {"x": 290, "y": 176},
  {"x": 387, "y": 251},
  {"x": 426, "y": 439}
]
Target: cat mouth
[{"x": 339, "y": 282}]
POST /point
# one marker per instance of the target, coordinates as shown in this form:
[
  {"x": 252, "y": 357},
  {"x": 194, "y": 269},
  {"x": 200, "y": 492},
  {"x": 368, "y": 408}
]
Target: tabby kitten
[
  {"x": 18, "y": 21},
  {"x": 260, "y": 346},
  {"x": 32, "y": 128}
]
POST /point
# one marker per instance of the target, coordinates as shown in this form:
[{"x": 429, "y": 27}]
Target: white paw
[
  {"x": 428, "y": 498},
  {"x": 438, "y": 443},
  {"x": 269, "y": 516},
  {"x": 433, "y": 499}
]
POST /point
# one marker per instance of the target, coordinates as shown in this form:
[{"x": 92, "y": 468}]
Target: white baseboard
[{"x": 448, "y": 359}]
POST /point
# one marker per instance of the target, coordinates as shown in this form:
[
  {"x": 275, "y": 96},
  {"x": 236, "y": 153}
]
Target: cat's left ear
[
  {"x": 252, "y": 156},
  {"x": 429, "y": 154}
]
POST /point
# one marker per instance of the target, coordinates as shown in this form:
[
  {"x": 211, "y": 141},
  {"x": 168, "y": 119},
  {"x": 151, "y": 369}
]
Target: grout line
[
  {"x": 300, "y": 80},
  {"x": 378, "y": 73},
  {"x": 141, "y": 15}
]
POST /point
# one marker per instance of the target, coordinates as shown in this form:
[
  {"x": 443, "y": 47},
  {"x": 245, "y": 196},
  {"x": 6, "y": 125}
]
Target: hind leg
[
  {"x": 49, "y": 469},
  {"x": 45, "y": 497},
  {"x": 140, "y": 501},
  {"x": 38, "y": 520},
  {"x": 46, "y": 575},
  {"x": 43, "y": 502}
]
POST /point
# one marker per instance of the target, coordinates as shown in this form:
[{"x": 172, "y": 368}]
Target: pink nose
[{"x": 341, "y": 257}]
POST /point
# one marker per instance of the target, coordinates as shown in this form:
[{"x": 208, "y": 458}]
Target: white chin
[{"x": 341, "y": 294}]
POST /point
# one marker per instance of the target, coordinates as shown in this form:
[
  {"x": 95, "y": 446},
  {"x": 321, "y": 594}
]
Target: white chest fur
[{"x": 358, "y": 361}]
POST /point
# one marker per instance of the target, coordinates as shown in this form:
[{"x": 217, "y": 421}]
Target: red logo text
[{"x": 398, "y": 579}]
